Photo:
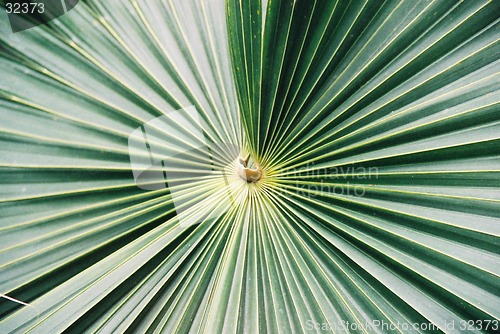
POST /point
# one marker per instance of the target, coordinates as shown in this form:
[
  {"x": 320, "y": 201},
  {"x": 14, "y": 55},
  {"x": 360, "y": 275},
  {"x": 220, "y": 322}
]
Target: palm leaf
[{"x": 376, "y": 125}]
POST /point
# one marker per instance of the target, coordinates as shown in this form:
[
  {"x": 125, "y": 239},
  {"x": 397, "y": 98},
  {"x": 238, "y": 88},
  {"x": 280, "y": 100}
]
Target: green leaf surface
[{"x": 375, "y": 126}]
